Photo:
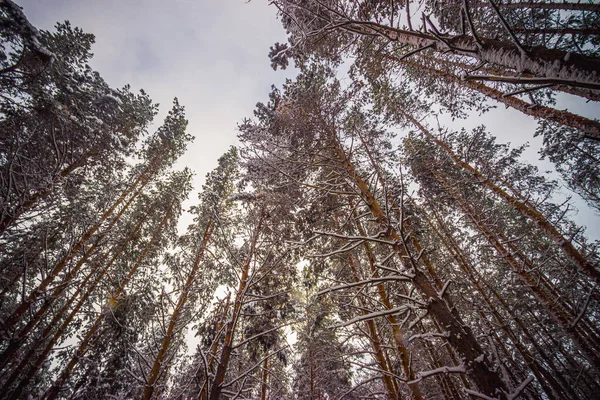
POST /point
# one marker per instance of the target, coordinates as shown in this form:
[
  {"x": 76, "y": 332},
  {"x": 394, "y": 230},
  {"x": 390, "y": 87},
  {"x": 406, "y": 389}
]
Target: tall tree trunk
[
  {"x": 15, "y": 342},
  {"x": 177, "y": 312},
  {"x": 215, "y": 391},
  {"x": 560, "y": 66},
  {"x": 525, "y": 209},
  {"x": 497, "y": 243},
  {"x": 265, "y": 376},
  {"x": 589, "y": 94},
  {"x": 214, "y": 347},
  {"x": 588, "y": 126},
  {"x": 376, "y": 344},
  {"x": 397, "y": 334},
  {"x": 559, "y": 390}
]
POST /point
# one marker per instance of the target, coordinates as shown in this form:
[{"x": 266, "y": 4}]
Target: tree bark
[
  {"x": 41, "y": 358},
  {"x": 588, "y": 126},
  {"x": 237, "y": 306},
  {"x": 265, "y": 376},
  {"x": 376, "y": 343},
  {"x": 177, "y": 312},
  {"x": 578, "y": 69}
]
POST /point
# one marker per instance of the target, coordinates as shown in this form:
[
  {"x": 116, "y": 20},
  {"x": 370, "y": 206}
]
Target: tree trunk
[
  {"x": 497, "y": 243},
  {"x": 214, "y": 347},
  {"x": 542, "y": 375},
  {"x": 576, "y": 69},
  {"x": 376, "y": 344},
  {"x": 230, "y": 331},
  {"x": 588, "y": 126},
  {"x": 398, "y": 336},
  {"x": 41, "y": 358},
  {"x": 265, "y": 376},
  {"x": 181, "y": 302},
  {"x": 16, "y": 342}
]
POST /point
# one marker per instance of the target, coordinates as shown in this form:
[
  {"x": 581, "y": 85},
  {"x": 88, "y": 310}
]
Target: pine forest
[{"x": 360, "y": 240}]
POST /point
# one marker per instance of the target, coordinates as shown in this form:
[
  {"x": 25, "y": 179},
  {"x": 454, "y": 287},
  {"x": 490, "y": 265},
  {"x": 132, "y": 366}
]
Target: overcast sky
[{"x": 212, "y": 56}]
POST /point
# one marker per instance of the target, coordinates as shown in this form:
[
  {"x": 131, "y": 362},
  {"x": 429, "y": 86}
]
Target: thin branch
[
  {"x": 524, "y": 81},
  {"x": 510, "y": 32}
]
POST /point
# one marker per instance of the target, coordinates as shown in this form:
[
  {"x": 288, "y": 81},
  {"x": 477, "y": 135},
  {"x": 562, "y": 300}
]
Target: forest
[{"x": 350, "y": 247}]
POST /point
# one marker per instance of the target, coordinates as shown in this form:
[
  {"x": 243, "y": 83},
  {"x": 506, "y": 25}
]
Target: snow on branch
[
  {"x": 523, "y": 81},
  {"x": 442, "y": 370},
  {"x": 519, "y": 390},
  {"x": 372, "y": 315},
  {"x": 258, "y": 364},
  {"x": 442, "y": 292},
  {"x": 365, "y": 282},
  {"x": 428, "y": 335},
  {"x": 479, "y": 395},
  {"x": 375, "y": 238}
]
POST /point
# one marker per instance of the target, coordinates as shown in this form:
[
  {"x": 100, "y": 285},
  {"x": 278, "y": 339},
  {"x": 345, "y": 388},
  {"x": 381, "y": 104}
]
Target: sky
[{"x": 212, "y": 56}]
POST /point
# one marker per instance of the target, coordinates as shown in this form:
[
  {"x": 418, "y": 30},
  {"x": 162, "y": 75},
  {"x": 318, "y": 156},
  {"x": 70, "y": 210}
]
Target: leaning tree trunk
[
  {"x": 529, "y": 211},
  {"x": 14, "y": 318},
  {"x": 54, "y": 390},
  {"x": 398, "y": 336},
  {"x": 15, "y": 343},
  {"x": 590, "y": 127},
  {"x": 34, "y": 348},
  {"x": 552, "y": 65},
  {"x": 498, "y": 243},
  {"x": 376, "y": 343}
]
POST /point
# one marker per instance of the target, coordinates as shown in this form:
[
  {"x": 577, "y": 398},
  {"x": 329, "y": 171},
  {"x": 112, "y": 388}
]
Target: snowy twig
[
  {"x": 527, "y": 90},
  {"x": 365, "y": 282},
  {"x": 410, "y": 53},
  {"x": 428, "y": 335},
  {"x": 479, "y": 395},
  {"x": 443, "y": 290},
  {"x": 442, "y": 370},
  {"x": 372, "y": 315},
  {"x": 258, "y": 364}
]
